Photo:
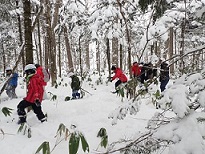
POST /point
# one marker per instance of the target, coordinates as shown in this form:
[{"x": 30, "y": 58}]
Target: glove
[
  {"x": 37, "y": 102},
  {"x": 109, "y": 79}
]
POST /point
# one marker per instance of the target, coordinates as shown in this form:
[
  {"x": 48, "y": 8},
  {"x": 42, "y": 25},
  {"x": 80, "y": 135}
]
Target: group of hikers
[
  {"x": 143, "y": 72},
  {"x": 36, "y": 80}
]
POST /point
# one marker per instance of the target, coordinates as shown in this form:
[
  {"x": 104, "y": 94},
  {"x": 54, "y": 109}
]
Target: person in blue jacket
[{"x": 12, "y": 83}]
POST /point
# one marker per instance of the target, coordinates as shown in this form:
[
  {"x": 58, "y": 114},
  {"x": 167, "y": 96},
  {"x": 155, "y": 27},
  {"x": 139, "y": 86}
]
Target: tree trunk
[
  {"x": 121, "y": 54},
  {"x": 48, "y": 41},
  {"x": 36, "y": 46},
  {"x": 98, "y": 56},
  {"x": 128, "y": 37},
  {"x": 108, "y": 56},
  {"x": 59, "y": 55},
  {"x": 68, "y": 49},
  {"x": 53, "y": 59},
  {"x": 39, "y": 43},
  {"x": 183, "y": 25},
  {"x": 20, "y": 32},
  {"x": 202, "y": 59},
  {"x": 28, "y": 31},
  {"x": 87, "y": 59},
  {"x": 182, "y": 47},
  {"x": 171, "y": 48},
  {"x": 197, "y": 65},
  {"x": 115, "y": 51},
  {"x": 152, "y": 49},
  {"x": 156, "y": 48},
  {"x": 53, "y": 46},
  {"x": 46, "y": 49},
  {"x": 193, "y": 65},
  {"x": 4, "y": 58},
  {"x": 80, "y": 56},
  {"x": 166, "y": 48},
  {"x": 87, "y": 48},
  {"x": 51, "y": 36}
]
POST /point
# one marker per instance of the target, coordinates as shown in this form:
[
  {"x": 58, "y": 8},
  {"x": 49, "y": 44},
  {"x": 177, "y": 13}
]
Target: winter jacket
[
  {"x": 164, "y": 72},
  {"x": 75, "y": 83},
  {"x": 136, "y": 70},
  {"x": 14, "y": 80},
  {"x": 34, "y": 88},
  {"x": 119, "y": 74},
  {"x": 147, "y": 71},
  {"x": 39, "y": 71}
]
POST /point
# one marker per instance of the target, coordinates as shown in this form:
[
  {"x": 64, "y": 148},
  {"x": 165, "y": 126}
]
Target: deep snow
[{"x": 88, "y": 114}]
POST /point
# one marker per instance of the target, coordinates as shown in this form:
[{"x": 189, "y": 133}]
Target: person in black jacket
[
  {"x": 164, "y": 76},
  {"x": 147, "y": 72},
  {"x": 75, "y": 85}
]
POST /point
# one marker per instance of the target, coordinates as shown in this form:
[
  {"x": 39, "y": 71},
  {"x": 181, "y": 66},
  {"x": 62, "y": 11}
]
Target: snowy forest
[{"x": 88, "y": 37}]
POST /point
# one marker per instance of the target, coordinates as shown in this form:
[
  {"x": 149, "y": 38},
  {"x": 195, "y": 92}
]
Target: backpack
[{"x": 46, "y": 75}]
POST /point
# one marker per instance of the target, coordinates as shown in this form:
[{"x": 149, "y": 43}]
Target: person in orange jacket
[
  {"x": 118, "y": 74},
  {"x": 34, "y": 95}
]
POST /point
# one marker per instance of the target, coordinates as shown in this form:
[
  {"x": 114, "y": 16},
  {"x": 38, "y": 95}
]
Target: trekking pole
[{"x": 86, "y": 91}]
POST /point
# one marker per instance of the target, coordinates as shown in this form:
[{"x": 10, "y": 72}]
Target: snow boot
[
  {"x": 44, "y": 119},
  {"x": 22, "y": 119}
]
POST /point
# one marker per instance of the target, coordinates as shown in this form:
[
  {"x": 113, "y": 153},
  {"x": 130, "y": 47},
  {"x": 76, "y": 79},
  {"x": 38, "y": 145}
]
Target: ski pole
[{"x": 86, "y": 91}]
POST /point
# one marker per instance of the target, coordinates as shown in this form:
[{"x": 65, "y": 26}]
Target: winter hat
[
  {"x": 30, "y": 67},
  {"x": 162, "y": 59},
  {"x": 37, "y": 65},
  {"x": 71, "y": 74},
  {"x": 135, "y": 63},
  {"x": 141, "y": 64},
  {"x": 113, "y": 67},
  {"x": 164, "y": 63},
  {"x": 8, "y": 68}
]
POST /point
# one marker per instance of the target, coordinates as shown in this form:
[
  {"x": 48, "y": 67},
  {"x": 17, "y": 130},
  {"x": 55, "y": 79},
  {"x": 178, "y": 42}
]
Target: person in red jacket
[
  {"x": 34, "y": 95},
  {"x": 120, "y": 75},
  {"x": 136, "y": 70},
  {"x": 40, "y": 72}
]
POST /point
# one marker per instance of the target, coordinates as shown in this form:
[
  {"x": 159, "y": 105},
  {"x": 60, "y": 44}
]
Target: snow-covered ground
[{"x": 88, "y": 114}]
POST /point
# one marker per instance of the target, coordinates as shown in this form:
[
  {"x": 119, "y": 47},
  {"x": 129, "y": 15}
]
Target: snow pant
[
  {"x": 36, "y": 109},
  {"x": 163, "y": 84},
  {"x": 10, "y": 91},
  {"x": 142, "y": 77},
  {"x": 75, "y": 94},
  {"x": 117, "y": 84}
]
